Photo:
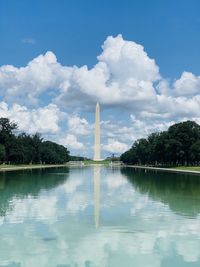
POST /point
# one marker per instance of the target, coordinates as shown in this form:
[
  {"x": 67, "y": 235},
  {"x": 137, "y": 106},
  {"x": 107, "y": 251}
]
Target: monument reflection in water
[
  {"x": 96, "y": 194},
  {"x": 94, "y": 217}
]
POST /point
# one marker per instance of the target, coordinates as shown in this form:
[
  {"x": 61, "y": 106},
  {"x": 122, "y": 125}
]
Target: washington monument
[{"x": 97, "y": 152}]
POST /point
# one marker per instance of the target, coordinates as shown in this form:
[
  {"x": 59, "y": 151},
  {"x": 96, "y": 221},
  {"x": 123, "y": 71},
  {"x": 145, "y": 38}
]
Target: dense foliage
[
  {"x": 179, "y": 145},
  {"x": 76, "y": 158},
  {"x": 25, "y": 149}
]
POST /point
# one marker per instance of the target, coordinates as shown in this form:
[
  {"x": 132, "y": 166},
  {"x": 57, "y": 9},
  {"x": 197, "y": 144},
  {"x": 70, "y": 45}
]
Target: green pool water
[{"x": 99, "y": 217}]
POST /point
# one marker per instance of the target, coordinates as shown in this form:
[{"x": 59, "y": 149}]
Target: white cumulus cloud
[
  {"x": 79, "y": 126},
  {"x": 26, "y": 84},
  {"x": 124, "y": 75},
  {"x": 71, "y": 142},
  {"x": 124, "y": 79},
  {"x": 114, "y": 146},
  {"x": 44, "y": 120}
]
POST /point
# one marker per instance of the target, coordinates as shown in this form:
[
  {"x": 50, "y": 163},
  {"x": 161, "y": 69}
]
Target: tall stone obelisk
[{"x": 97, "y": 153}]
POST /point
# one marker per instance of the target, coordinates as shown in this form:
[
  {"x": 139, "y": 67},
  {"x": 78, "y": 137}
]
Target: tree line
[
  {"x": 179, "y": 145},
  {"x": 28, "y": 149}
]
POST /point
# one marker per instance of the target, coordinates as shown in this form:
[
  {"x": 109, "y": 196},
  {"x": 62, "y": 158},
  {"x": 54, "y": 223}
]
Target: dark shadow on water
[
  {"x": 29, "y": 182},
  {"x": 180, "y": 191}
]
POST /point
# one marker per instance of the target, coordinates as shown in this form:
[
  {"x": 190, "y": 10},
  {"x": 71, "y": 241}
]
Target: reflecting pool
[{"x": 99, "y": 217}]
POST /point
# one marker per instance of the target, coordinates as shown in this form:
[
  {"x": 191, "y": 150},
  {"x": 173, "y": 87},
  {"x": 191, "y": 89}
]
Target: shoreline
[
  {"x": 163, "y": 169},
  {"x": 29, "y": 167},
  {"x": 19, "y": 168}
]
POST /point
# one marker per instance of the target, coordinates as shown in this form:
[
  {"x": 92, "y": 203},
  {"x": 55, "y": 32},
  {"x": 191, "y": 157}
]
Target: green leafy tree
[
  {"x": 177, "y": 146},
  {"x": 2, "y": 152},
  {"x": 195, "y": 151},
  {"x": 24, "y": 148},
  {"x": 54, "y": 153}
]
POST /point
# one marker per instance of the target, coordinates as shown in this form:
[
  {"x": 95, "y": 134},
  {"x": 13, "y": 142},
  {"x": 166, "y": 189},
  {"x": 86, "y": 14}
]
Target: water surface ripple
[{"x": 99, "y": 217}]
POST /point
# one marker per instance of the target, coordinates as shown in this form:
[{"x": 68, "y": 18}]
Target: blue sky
[{"x": 73, "y": 32}]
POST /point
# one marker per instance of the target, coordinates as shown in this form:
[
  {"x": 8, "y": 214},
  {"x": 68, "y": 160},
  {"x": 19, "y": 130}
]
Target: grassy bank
[
  {"x": 3, "y": 166},
  {"x": 193, "y": 168},
  {"x": 183, "y": 169}
]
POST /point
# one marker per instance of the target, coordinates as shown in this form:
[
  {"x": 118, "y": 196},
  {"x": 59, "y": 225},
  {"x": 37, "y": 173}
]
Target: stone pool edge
[
  {"x": 19, "y": 168},
  {"x": 163, "y": 169}
]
